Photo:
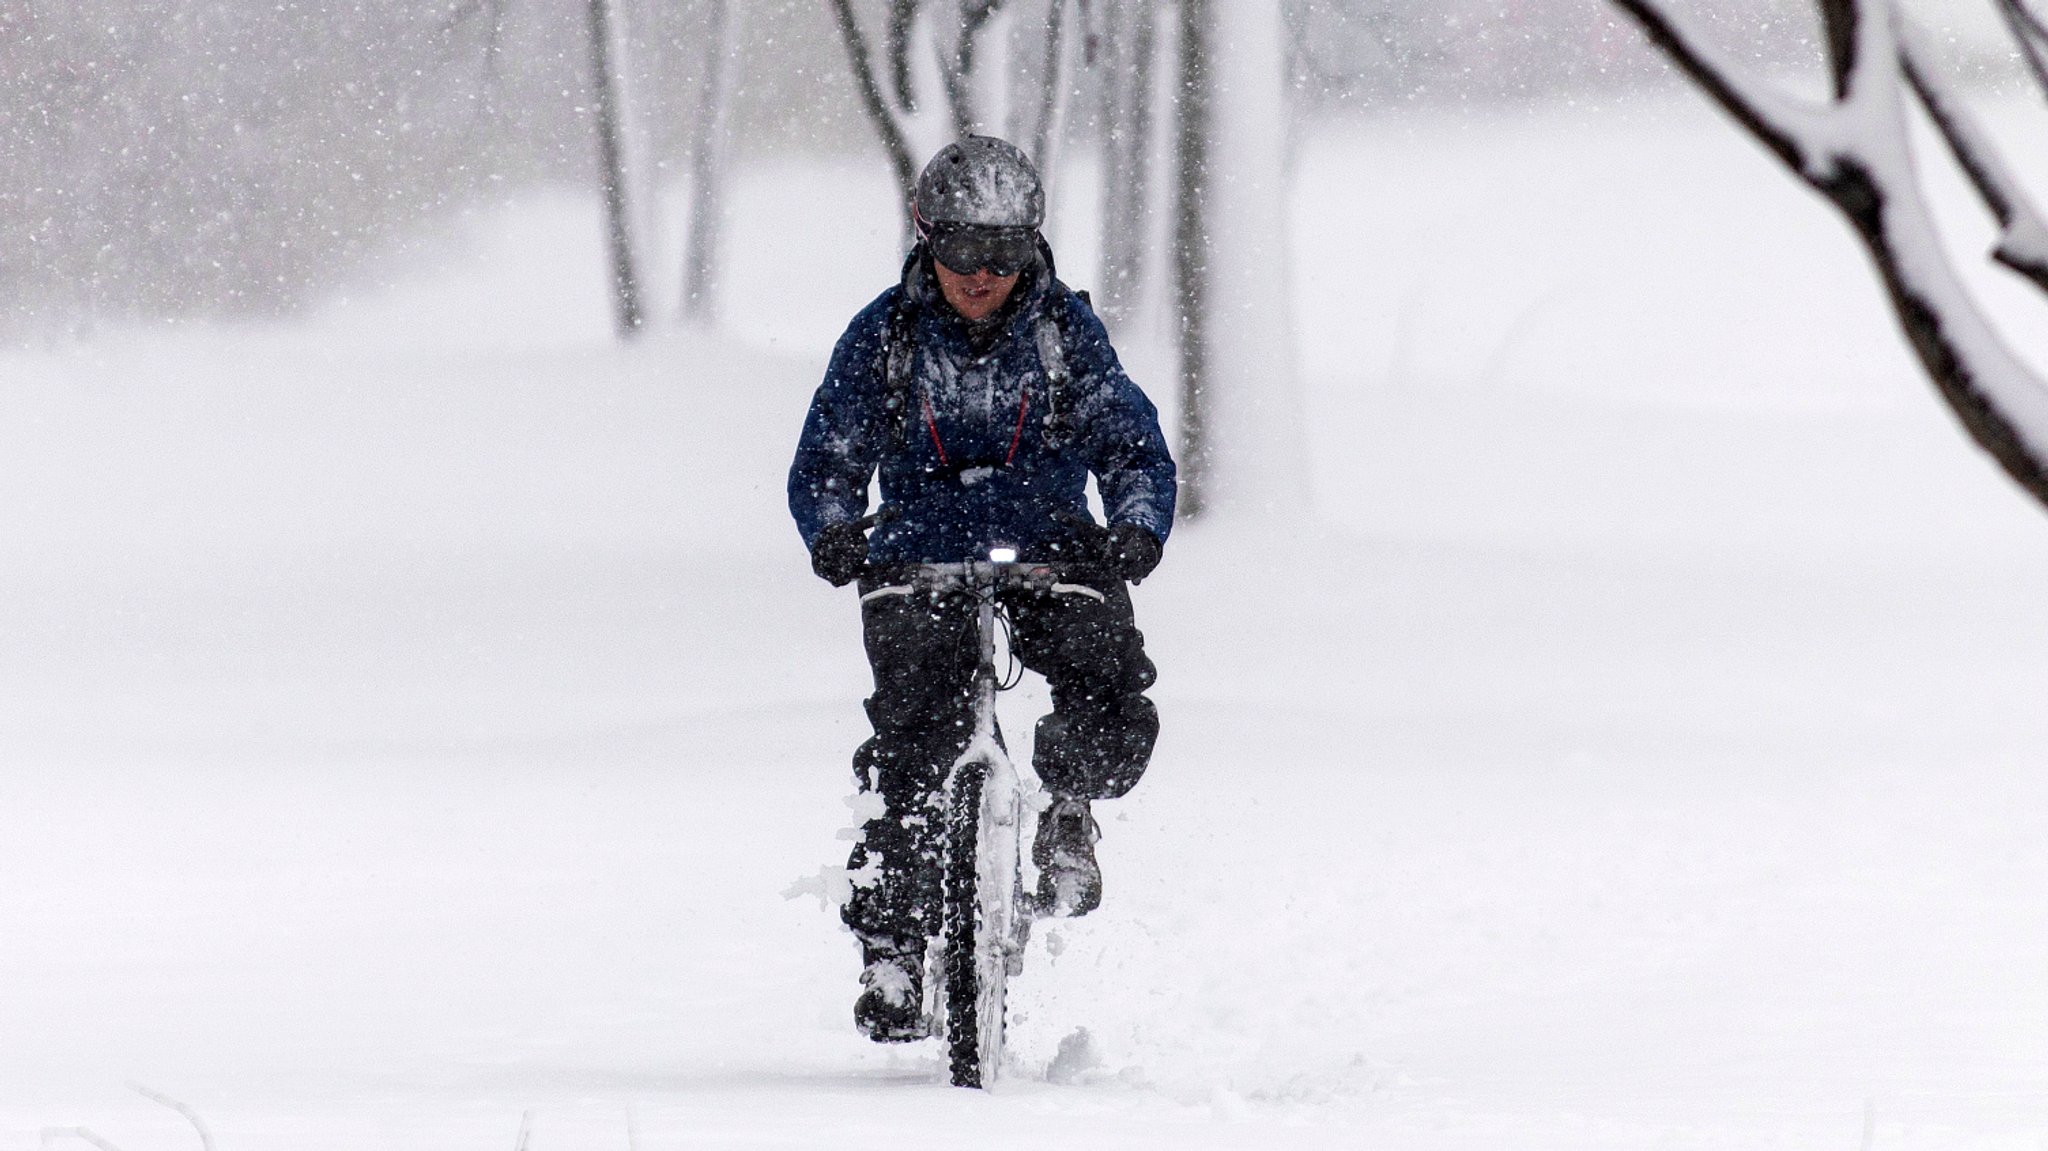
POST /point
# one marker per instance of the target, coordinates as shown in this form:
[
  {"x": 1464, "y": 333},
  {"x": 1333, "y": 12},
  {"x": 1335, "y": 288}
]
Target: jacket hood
[{"x": 921, "y": 285}]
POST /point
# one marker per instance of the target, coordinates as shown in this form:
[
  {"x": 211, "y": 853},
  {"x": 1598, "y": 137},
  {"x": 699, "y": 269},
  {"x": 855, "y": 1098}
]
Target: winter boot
[
  {"x": 1069, "y": 882},
  {"x": 891, "y": 1008}
]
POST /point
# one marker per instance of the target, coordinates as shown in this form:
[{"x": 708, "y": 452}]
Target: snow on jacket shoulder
[{"x": 971, "y": 463}]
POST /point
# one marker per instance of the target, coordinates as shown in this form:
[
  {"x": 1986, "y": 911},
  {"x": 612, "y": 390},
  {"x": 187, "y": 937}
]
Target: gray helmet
[{"x": 981, "y": 180}]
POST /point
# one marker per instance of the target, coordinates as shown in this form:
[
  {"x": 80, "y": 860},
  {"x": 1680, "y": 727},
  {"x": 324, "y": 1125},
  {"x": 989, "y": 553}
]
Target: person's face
[{"x": 975, "y": 295}]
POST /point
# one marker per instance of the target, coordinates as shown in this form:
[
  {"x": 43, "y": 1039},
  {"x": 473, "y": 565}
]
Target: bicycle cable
[{"x": 1014, "y": 674}]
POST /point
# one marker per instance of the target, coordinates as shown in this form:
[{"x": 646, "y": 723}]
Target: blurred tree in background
[{"x": 164, "y": 158}]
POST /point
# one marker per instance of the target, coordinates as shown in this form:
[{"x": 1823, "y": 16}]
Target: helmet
[{"x": 980, "y": 181}]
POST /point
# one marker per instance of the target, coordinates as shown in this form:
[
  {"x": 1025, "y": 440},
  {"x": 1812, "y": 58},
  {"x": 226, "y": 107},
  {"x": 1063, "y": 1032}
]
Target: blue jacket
[{"x": 974, "y": 464}]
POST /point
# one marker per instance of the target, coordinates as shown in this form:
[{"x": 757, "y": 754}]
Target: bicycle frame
[{"x": 987, "y": 915}]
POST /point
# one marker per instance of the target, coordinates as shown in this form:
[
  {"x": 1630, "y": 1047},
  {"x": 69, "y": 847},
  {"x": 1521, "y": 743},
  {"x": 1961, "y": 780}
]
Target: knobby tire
[{"x": 974, "y": 959}]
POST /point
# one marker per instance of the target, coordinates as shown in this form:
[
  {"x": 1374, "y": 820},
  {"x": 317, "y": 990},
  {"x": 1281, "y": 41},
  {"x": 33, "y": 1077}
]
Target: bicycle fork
[{"x": 1002, "y": 807}]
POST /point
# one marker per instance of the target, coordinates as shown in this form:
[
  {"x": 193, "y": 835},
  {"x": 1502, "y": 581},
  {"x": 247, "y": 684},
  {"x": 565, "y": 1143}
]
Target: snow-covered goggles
[{"x": 968, "y": 248}]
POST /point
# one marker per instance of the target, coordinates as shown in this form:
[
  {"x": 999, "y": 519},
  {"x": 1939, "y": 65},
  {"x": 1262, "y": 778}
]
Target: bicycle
[{"x": 986, "y": 913}]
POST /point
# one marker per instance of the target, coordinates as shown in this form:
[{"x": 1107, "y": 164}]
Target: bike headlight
[{"x": 1002, "y": 555}]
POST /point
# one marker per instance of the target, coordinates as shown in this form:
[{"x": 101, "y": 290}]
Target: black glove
[
  {"x": 1133, "y": 552},
  {"x": 839, "y": 553}
]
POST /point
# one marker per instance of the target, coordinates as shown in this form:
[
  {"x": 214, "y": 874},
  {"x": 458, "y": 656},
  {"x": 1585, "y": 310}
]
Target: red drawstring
[
  {"x": 931, "y": 424},
  {"x": 1017, "y": 437}
]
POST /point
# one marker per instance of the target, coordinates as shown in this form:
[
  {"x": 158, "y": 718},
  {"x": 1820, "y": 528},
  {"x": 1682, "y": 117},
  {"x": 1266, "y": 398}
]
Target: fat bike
[{"x": 986, "y": 917}]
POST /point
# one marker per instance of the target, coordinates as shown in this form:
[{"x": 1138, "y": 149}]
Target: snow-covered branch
[
  {"x": 1855, "y": 151},
  {"x": 51, "y": 1134},
  {"x": 1772, "y": 120},
  {"x": 2023, "y": 240},
  {"x": 191, "y": 1116},
  {"x": 2031, "y": 34}
]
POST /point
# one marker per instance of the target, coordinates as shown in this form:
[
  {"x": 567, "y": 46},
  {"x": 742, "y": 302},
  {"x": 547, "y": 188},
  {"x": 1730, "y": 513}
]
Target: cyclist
[{"x": 985, "y": 392}]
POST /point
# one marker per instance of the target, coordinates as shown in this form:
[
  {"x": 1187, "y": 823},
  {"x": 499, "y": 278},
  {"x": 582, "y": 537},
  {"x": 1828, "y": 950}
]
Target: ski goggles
[{"x": 968, "y": 248}]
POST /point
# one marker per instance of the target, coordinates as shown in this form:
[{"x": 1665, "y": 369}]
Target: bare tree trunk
[
  {"x": 974, "y": 19},
  {"x": 707, "y": 166},
  {"x": 902, "y": 16},
  {"x": 1129, "y": 46},
  {"x": 1039, "y": 82},
  {"x": 611, "y": 151},
  {"x": 1191, "y": 254},
  {"x": 876, "y": 103},
  {"x": 886, "y": 86},
  {"x": 1051, "y": 85},
  {"x": 1255, "y": 426}
]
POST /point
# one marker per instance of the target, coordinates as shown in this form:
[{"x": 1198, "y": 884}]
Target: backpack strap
[
  {"x": 1052, "y": 355},
  {"x": 897, "y": 357},
  {"x": 896, "y": 364}
]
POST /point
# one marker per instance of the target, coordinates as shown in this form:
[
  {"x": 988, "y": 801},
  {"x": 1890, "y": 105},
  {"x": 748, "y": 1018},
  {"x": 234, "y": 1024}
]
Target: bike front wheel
[{"x": 981, "y": 921}]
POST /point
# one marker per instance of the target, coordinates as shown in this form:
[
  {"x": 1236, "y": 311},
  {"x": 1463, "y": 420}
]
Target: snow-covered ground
[{"x": 414, "y": 716}]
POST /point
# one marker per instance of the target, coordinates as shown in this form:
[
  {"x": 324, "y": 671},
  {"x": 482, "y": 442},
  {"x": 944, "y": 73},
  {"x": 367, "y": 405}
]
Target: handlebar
[
  {"x": 999, "y": 571},
  {"x": 982, "y": 576}
]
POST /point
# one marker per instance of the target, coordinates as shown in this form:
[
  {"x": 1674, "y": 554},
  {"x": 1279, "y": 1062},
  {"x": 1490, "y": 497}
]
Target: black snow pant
[{"x": 1094, "y": 745}]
